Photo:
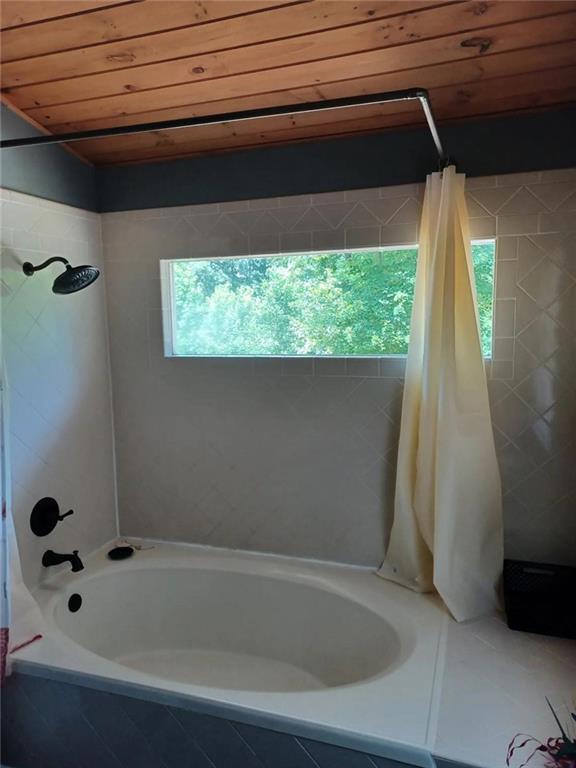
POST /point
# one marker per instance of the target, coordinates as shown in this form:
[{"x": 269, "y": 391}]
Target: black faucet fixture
[{"x": 53, "y": 558}]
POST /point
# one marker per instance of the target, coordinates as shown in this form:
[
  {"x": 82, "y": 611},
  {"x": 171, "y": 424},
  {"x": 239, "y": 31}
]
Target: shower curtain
[
  {"x": 447, "y": 528},
  {"x": 20, "y": 618}
]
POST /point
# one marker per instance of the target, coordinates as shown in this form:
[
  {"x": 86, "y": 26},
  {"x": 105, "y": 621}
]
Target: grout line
[
  {"x": 243, "y": 740},
  {"x": 110, "y": 378},
  {"x": 191, "y": 737},
  {"x": 307, "y": 753}
]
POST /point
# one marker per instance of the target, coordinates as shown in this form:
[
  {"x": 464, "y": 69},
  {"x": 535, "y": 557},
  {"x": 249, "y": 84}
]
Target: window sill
[{"x": 392, "y": 366}]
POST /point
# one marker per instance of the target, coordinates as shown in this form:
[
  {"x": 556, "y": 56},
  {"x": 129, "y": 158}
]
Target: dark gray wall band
[
  {"x": 51, "y": 173},
  {"x": 542, "y": 141}
]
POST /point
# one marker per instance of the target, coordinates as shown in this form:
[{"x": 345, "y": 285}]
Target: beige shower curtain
[{"x": 447, "y": 529}]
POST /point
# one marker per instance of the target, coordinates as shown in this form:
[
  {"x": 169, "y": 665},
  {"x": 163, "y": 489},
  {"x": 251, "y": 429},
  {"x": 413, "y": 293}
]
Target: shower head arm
[{"x": 29, "y": 268}]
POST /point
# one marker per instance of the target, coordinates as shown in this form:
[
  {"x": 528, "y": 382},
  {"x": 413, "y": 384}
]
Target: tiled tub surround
[
  {"x": 317, "y": 649},
  {"x": 56, "y": 355},
  {"x": 296, "y": 456},
  {"x": 110, "y": 730},
  {"x": 458, "y": 683}
]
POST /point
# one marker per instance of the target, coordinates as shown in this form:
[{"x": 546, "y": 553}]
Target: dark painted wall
[
  {"x": 500, "y": 145},
  {"x": 48, "y": 172}
]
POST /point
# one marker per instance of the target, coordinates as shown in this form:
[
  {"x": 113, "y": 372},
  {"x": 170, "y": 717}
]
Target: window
[{"x": 339, "y": 303}]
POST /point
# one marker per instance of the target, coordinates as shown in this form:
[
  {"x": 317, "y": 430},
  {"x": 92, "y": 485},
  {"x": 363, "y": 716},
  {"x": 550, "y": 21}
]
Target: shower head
[
  {"x": 71, "y": 280},
  {"x": 75, "y": 278}
]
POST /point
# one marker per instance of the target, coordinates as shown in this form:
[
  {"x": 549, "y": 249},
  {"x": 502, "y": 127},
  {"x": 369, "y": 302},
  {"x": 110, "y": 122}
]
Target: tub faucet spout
[{"x": 53, "y": 558}]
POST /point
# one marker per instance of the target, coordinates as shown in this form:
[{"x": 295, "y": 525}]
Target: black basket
[{"x": 540, "y": 598}]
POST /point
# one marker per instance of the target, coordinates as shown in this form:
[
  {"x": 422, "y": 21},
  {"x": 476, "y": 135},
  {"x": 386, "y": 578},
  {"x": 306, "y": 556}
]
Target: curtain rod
[{"x": 411, "y": 94}]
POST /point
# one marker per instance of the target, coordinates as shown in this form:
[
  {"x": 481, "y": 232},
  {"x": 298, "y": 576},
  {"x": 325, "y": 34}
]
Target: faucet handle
[{"x": 45, "y": 516}]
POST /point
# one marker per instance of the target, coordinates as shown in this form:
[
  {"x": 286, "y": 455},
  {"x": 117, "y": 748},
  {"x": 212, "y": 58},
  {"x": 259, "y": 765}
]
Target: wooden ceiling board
[
  {"x": 509, "y": 64},
  {"x": 106, "y": 64},
  {"x": 495, "y": 108},
  {"x": 247, "y": 130},
  {"x": 132, "y": 19},
  {"x": 374, "y": 35},
  {"x": 514, "y": 62},
  {"x": 426, "y": 52},
  {"x": 470, "y": 99},
  {"x": 15, "y": 13},
  {"x": 266, "y": 25},
  {"x": 492, "y": 108},
  {"x": 265, "y": 138}
]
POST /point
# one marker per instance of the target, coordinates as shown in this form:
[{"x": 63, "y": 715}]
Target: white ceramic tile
[
  {"x": 362, "y": 237},
  {"x": 271, "y": 440},
  {"x": 328, "y": 197},
  {"x": 522, "y": 202},
  {"x": 403, "y": 190},
  {"x": 545, "y": 283},
  {"x": 328, "y": 240},
  {"x": 480, "y": 182},
  {"x": 409, "y": 213},
  {"x": 483, "y": 227},
  {"x": 386, "y": 208},
  {"x": 363, "y": 194},
  {"x": 564, "y": 221},
  {"x": 503, "y": 349},
  {"x": 360, "y": 216},
  {"x": 492, "y": 198},
  {"x": 506, "y": 272},
  {"x": 334, "y": 213},
  {"x": 311, "y": 221},
  {"x": 516, "y": 179},
  {"x": 560, "y": 175},
  {"x": 293, "y": 242},
  {"x": 507, "y": 248},
  {"x": 399, "y": 234},
  {"x": 520, "y": 224},
  {"x": 264, "y": 244},
  {"x": 553, "y": 194},
  {"x": 60, "y": 413},
  {"x": 290, "y": 216},
  {"x": 502, "y": 369}
]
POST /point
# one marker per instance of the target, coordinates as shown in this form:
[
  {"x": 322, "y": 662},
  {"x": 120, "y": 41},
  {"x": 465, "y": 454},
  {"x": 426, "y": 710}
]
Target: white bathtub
[{"x": 322, "y": 650}]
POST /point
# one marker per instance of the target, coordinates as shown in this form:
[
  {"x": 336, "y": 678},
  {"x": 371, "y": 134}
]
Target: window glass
[{"x": 340, "y": 303}]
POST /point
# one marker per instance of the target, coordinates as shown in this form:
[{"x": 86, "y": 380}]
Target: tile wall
[
  {"x": 55, "y": 350},
  {"x": 52, "y": 724},
  {"x": 297, "y": 456}
]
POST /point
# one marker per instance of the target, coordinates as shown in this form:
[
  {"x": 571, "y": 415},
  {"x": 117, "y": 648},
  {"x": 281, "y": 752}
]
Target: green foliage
[{"x": 339, "y": 303}]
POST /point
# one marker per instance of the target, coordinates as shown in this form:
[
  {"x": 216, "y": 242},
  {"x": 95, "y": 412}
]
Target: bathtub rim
[
  {"x": 49, "y": 660},
  {"x": 402, "y": 625}
]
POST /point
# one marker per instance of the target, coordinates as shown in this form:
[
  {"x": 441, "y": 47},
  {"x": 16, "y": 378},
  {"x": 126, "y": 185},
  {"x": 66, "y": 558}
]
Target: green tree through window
[{"x": 342, "y": 303}]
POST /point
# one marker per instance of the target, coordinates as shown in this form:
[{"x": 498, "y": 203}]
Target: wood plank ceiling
[{"x": 72, "y": 65}]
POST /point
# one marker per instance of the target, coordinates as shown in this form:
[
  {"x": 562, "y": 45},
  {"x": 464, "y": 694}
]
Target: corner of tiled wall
[
  {"x": 534, "y": 361},
  {"x": 225, "y": 447},
  {"x": 55, "y": 349}
]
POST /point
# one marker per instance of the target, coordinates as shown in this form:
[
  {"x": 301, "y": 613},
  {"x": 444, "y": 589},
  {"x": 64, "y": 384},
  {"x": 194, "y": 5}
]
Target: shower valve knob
[{"x": 46, "y": 516}]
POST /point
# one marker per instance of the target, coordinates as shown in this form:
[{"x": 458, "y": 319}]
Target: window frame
[{"x": 167, "y": 301}]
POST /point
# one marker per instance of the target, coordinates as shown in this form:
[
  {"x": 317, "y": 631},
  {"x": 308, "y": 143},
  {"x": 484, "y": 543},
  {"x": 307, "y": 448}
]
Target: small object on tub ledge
[
  {"x": 539, "y": 596},
  {"x": 120, "y": 553}
]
